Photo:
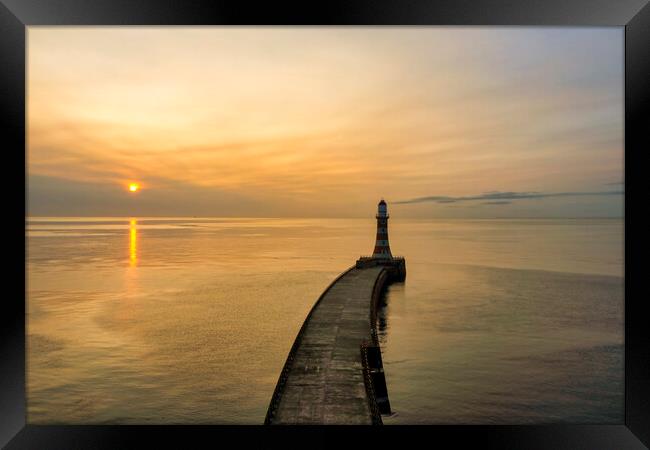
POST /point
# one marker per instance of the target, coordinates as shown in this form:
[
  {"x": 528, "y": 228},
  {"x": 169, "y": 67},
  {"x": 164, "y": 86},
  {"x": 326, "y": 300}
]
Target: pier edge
[{"x": 277, "y": 392}]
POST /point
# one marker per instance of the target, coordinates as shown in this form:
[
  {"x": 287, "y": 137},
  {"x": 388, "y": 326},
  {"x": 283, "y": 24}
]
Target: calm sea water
[{"x": 190, "y": 320}]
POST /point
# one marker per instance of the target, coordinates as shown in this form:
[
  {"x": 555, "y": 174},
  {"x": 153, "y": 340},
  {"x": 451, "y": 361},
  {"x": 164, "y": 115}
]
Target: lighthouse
[
  {"x": 382, "y": 249},
  {"x": 381, "y": 255}
]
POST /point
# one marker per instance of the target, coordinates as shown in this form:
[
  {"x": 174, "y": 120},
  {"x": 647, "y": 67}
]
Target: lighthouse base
[{"x": 396, "y": 266}]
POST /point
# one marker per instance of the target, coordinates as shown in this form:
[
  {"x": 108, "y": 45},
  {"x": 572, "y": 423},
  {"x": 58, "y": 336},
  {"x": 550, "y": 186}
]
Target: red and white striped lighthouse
[{"x": 382, "y": 249}]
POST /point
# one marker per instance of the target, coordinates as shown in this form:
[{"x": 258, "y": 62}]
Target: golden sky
[{"x": 302, "y": 121}]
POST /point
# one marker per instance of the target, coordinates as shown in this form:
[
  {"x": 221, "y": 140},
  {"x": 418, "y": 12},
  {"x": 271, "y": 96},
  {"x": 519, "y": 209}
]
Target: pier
[{"x": 334, "y": 373}]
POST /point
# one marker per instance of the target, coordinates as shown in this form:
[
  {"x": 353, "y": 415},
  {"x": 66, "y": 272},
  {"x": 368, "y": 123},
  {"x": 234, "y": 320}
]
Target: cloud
[
  {"x": 505, "y": 197},
  {"x": 51, "y": 196}
]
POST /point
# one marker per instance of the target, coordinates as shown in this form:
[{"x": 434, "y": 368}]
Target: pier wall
[
  {"x": 334, "y": 373},
  {"x": 284, "y": 374}
]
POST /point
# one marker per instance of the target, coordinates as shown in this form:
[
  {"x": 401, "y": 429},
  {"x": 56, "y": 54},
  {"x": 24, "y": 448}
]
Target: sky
[{"x": 442, "y": 122}]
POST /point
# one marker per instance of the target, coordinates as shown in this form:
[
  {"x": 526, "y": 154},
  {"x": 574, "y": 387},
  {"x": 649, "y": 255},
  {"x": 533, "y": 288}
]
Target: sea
[{"x": 140, "y": 320}]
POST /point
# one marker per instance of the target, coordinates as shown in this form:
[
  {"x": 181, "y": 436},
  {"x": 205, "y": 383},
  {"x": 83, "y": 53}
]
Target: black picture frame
[{"x": 634, "y": 15}]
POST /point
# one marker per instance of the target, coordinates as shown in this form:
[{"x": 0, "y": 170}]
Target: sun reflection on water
[{"x": 133, "y": 243}]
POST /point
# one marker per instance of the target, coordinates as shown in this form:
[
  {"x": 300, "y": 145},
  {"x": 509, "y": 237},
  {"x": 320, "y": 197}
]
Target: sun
[{"x": 133, "y": 187}]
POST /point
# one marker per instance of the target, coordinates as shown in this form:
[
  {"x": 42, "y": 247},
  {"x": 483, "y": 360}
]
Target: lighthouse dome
[{"x": 381, "y": 207}]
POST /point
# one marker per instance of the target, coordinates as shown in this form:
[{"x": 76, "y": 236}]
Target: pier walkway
[{"x": 324, "y": 380}]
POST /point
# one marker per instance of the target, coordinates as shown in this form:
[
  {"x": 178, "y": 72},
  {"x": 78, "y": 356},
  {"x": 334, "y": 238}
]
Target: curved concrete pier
[{"x": 327, "y": 378}]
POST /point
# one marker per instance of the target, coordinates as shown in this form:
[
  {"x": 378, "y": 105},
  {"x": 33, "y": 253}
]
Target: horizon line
[{"x": 319, "y": 217}]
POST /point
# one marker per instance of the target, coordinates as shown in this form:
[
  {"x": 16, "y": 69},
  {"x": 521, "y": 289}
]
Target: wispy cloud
[{"x": 500, "y": 198}]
